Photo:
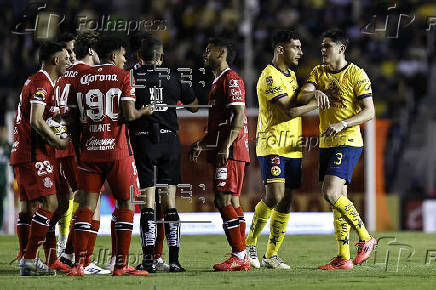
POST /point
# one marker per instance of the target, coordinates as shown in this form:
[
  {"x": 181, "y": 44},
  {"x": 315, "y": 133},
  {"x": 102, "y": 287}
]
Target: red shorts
[
  {"x": 36, "y": 179},
  {"x": 121, "y": 176},
  {"x": 68, "y": 168},
  {"x": 230, "y": 178},
  {"x": 60, "y": 179}
]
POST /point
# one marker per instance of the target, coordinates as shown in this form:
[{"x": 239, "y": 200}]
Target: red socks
[
  {"x": 113, "y": 234},
  {"x": 123, "y": 230},
  {"x": 38, "y": 230},
  {"x": 23, "y": 226},
  {"x": 50, "y": 246},
  {"x": 158, "y": 247},
  {"x": 82, "y": 228},
  {"x": 92, "y": 236},
  {"x": 242, "y": 224},
  {"x": 232, "y": 228},
  {"x": 69, "y": 247}
]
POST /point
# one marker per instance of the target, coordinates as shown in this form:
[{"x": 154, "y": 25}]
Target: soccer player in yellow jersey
[
  {"x": 278, "y": 134},
  {"x": 350, "y": 104}
]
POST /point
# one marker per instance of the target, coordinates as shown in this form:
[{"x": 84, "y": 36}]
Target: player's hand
[
  {"x": 322, "y": 99},
  {"x": 222, "y": 157},
  {"x": 195, "y": 151},
  {"x": 62, "y": 143},
  {"x": 333, "y": 130},
  {"x": 147, "y": 110}
]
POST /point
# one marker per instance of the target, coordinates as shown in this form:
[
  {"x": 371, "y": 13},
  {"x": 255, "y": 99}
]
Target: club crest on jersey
[
  {"x": 47, "y": 182},
  {"x": 233, "y": 84},
  {"x": 275, "y": 160},
  {"x": 40, "y": 94},
  {"x": 275, "y": 170},
  {"x": 269, "y": 81}
]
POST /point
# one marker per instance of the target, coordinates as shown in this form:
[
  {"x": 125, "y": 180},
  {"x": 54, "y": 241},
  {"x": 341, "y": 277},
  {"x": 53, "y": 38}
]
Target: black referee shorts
[{"x": 166, "y": 156}]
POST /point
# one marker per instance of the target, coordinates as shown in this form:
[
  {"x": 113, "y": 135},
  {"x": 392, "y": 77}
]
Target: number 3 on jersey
[{"x": 96, "y": 106}]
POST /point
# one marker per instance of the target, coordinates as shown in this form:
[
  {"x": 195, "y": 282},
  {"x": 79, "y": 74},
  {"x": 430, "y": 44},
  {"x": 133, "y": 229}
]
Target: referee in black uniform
[{"x": 155, "y": 143}]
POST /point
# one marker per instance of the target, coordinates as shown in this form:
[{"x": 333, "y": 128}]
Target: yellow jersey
[
  {"x": 345, "y": 88},
  {"x": 276, "y": 134}
]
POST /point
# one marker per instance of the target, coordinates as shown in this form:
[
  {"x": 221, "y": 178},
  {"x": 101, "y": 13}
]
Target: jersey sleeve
[
  {"x": 187, "y": 93},
  {"x": 313, "y": 77},
  {"x": 128, "y": 93},
  {"x": 362, "y": 85},
  {"x": 270, "y": 86},
  {"x": 72, "y": 93},
  {"x": 234, "y": 91},
  {"x": 39, "y": 92}
]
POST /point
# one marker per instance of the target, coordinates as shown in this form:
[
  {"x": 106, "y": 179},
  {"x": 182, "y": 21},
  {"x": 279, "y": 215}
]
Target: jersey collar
[
  {"x": 338, "y": 71},
  {"x": 48, "y": 76},
  {"x": 223, "y": 72},
  {"x": 285, "y": 74}
]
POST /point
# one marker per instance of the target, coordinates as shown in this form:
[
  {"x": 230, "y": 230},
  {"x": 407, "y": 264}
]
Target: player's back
[
  {"x": 99, "y": 91},
  {"x": 28, "y": 145}
]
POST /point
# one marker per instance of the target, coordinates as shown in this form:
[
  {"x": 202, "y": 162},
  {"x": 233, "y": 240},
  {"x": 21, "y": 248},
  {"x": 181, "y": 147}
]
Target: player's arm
[
  {"x": 293, "y": 110},
  {"x": 367, "y": 113},
  {"x": 188, "y": 97},
  {"x": 309, "y": 92},
  {"x": 235, "y": 127},
  {"x": 196, "y": 149},
  {"x": 130, "y": 113},
  {"x": 40, "y": 126},
  {"x": 193, "y": 106}
]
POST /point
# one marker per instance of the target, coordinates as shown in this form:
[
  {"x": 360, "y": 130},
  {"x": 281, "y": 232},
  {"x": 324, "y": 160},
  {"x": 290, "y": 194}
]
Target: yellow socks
[
  {"x": 278, "y": 225},
  {"x": 65, "y": 221},
  {"x": 349, "y": 212},
  {"x": 261, "y": 215},
  {"x": 342, "y": 229}
]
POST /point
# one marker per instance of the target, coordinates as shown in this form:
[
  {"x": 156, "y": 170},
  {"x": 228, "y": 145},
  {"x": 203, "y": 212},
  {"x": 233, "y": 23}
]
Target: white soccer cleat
[
  {"x": 110, "y": 266},
  {"x": 252, "y": 256},
  {"x": 274, "y": 263},
  {"x": 161, "y": 265},
  {"x": 35, "y": 267},
  {"x": 93, "y": 269}
]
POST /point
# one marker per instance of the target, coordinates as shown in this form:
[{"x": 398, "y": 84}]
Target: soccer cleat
[
  {"x": 67, "y": 260},
  {"x": 110, "y": 266},
  {"x": 35, "y": 267},
  {"x": 233, "y": 264},
  {"x": 364, "y": 250},
  {"x": 128, "y": 271},
  {"x": 176, "y": 268},
  {"x": 77, "y": 270},
  {"x": 150, "y": 268},
  {"x": 61, "y": 245},
  {"x": 274, "y": 263},
  {"x": 161, "y": 265},
  {"x": 252, "y": 256},
  {"x": 337, "y": 263},
  {"x": 93, "y": 269},
  {"x": 59, "y": 266}
]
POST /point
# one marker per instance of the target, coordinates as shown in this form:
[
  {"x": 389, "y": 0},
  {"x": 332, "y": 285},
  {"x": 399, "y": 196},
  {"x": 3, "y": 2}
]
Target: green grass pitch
[{"x": 390, "y": 268}]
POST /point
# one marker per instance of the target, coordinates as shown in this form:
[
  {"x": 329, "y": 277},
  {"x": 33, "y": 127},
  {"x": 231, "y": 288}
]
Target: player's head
[
  {"x": 333, "y": 46},
  {"x": 112, "y": 49},
  {"x": 69, "y": 39},
  {"x": 54, "y": 54},
  {"x": 219, "y": 50},
  {"x": 86, "y": 44},
  {"x": 151, "y": 50},
  {"x": 135, "y": 42},
  {"x": 287, "y": 45}
]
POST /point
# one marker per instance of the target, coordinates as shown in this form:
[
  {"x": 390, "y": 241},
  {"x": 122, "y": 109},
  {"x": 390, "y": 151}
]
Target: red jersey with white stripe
[
  {"x": 227, "y": 90},
  {"x": 61, "y": 93},
  {"x": 28, "y": 145},
  {"x": 98, "y": 92}
]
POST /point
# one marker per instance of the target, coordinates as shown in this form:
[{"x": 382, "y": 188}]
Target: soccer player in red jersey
[
  {"x": 227, "y": 148},
  {"x": 104, "y": 148},
  {"x": 33, "y": 157}
]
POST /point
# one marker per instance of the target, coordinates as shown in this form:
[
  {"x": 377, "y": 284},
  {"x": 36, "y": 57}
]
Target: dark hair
[
  {"x": 337, "y": 36},
  {"x": 107, "y": 44},
  {"x": 48, "y": 49},
  {"x": 227, "y": 44},
  {"x": 284, "y": 36},
  {"x": 135, "y": 40},
  {"x": 66, "y": 37},
  {"x": 84, "y": 42},
  {"x": 148, "y": 45}
]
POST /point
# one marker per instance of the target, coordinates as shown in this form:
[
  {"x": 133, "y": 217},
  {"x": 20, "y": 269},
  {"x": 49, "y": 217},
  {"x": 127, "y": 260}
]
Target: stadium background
[{"x": 396, "y": 51}]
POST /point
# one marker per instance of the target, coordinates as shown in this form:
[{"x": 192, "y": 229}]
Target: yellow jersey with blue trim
[
  {"x": 344, "y": 88},
  {"x": 276, "y": 134}
]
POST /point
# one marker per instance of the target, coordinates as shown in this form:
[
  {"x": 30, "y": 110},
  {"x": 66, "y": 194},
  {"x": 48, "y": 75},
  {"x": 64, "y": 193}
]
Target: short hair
[
  {"x": 66, "y": 37},
  {"x": 284, "y": 36},
  {"x": 135, "y": 40},
  {"x": 84, "y": 42},
  {"x": 107, "y": 44},
  {"x": 48, "y": 49},
  {"x": 337, "y": 35},
  {"x": 227, "y": 44},
  {"x": 148, "y": 45}
]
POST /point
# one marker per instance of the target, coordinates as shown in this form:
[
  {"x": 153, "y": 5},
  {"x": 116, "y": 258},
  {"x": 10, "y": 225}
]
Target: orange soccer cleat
[
  {"x": 77, "y": 270},
  {"x": 233, "y": 264},
  {"x": 127, "y": 270},
  {"x": 337, "y": 263},
  {"x": 364, "y": 250},
  {"x": 59, "y": 266}
]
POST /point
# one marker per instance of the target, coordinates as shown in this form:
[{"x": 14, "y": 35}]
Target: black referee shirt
[{"x": 160, "y": 90}]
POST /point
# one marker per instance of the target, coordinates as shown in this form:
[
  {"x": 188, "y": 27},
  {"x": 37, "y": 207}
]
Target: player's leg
[
  {"x": 67, "y": 257},
  {"x": 27, "y": 209},
  {"x": 237, "y": 206},
  {"x": 160, "y": 236}
]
